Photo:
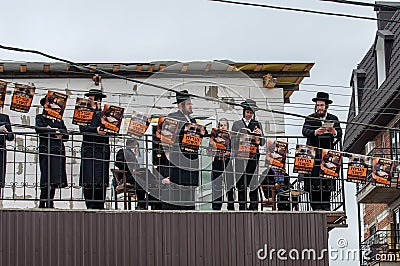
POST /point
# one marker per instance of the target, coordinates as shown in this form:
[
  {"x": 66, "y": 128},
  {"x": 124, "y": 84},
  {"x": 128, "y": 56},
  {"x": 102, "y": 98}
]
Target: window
[
  {"x": 383, "y": 50},
  {"x": 395, "y": 142},
  {"x": 212, "y": 91},
  {"x": 357, "y": 83},
  {"x": 372, "y": 230},
  {"x": 396, "y": 219},
  {"x": 380, "y": 61}
]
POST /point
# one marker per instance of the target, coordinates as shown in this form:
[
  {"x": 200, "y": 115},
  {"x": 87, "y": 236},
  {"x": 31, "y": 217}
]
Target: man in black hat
[
  {"x": 245, "y": 168},
  {"x": 95, "y": 156},
  {"x": 183, "y": 165},
  {"x": 321, "y": 128},
  {"x": 52, "y": 161}
]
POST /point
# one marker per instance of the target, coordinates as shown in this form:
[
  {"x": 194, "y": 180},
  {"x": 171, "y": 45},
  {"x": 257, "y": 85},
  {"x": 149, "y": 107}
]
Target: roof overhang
[{"x": 286, "y": 75}]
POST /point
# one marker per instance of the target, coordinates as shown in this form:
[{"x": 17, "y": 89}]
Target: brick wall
[
  {"x": 382, "y": 142},
  {"x": 379, "y": 215}
]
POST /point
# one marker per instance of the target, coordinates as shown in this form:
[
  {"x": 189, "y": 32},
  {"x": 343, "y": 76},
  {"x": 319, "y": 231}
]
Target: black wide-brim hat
[
  {"x": 95, "y": 92},
  {"x": 249, "y": 104},
  {"x": 181, "y": 96},
  {"x": 322, "y": 96},
  {"x": 43, "y": 101}
]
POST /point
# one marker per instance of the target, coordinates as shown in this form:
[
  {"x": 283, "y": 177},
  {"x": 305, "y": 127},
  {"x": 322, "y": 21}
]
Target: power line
[
  {"x": 304, "y": 10},
  {"x": 362, "y": 4},
  {"x": 189, "y": 94}
]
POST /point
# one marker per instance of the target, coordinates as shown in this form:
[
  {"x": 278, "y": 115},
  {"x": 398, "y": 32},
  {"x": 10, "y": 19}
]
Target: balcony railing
[
  {"x": 382, "y": 244},
  {"x": 368, "y": 192},
  {"x": 22, "y": 180}
]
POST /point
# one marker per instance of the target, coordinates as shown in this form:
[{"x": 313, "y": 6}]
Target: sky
[{"x": 191, "y": 30}]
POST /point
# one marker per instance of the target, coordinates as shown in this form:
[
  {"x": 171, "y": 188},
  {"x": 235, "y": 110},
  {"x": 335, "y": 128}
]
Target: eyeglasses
[{"x": 322, "y": 105}]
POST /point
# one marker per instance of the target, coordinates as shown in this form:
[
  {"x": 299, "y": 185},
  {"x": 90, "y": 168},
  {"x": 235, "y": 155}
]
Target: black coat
[
  {"x": 238, "y": 125},
  {"x": 95, "y": 155},
  {"x": 4, "y": 120},
  {"x": 324, "y": 141},
  {"x": 126, "y": 160},
  {"x": 51, "y": 152},
  {"x": 184, "y": 166}
]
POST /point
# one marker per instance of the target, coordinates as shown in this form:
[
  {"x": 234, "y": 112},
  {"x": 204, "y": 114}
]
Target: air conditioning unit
[{"x": 369, "y": 147}]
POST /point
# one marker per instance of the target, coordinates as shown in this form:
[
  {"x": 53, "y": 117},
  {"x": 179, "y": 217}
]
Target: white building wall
[{"x": 120, "y": 92}]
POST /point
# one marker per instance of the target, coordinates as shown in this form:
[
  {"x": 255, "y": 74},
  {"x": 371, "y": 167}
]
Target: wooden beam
[
  {"x": 184, "y": 67},
  {"x": 308, "y": 67},
  {"x": 257, "y": 68},
  {"x": 230, "y": 68},
  {"x": 299, "y": 80},
  {"x": 93, "y": 68},
  {"x": 286, "y": 67},
  {"x": 22, "y": 68},
  {"x": 116, "y": 68}
]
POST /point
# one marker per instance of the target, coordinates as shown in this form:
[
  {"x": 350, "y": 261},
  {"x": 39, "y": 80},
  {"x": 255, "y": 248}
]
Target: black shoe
[
  {"x": 253, "y": 207},
  {"x": 231, "y": 207}
]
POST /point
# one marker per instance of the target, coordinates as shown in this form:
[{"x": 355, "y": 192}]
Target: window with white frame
[{"x": 380, "y": 60}]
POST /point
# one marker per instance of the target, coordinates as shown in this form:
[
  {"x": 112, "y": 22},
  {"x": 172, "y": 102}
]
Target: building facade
[{"x": 373, "y": 129}]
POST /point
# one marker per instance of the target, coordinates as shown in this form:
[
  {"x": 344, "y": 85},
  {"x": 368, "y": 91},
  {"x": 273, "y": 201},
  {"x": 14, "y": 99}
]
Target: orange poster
[
  {"x": 83, "y": 113},
  {"x": 330, "y": 164},
  {"x": 382, "y": 171},
  {"x": 55, "y": 105},
  {"x": 276, "y": 154},
  {"x": 192, "y": 136},
  {"x": 167, "y": 130},
  {"x": 22, "y": 98},
  {"x": 357, "y": 168},
  {"x": 111, "y": 118},
  {"x": 138, "y": 124},
  {"x": 3, "y": 89},
  {"x": 248, "y": 144},
  {"x": 304, "y": 159}
]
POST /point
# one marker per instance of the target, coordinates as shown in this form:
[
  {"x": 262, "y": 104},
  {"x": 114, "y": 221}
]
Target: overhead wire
[
  {"x": 303, "y": 10},
  {"x": 189, "y": 94},
  {"x": 356, "y": 3}
]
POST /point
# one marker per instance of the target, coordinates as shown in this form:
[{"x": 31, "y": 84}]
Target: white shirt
[{"x": 246, "y": 122}]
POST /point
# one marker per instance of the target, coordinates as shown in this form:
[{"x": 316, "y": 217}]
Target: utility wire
[
  {"x": 356, "y": 3},
  {"x": 189, "y": 94},
  {"x": 303, "y": 10}
]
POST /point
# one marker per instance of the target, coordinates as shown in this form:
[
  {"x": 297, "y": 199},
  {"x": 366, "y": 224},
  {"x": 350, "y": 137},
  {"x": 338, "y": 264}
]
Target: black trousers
[
  {"x": 46, "y": 198},
  {"x": 178, "y": 197},
  {"x": 319, "y": 189},
  {"x": 222, "y": 172},
  {"x": 95, "y": 197},
  {"x": 245, "y": 169}
]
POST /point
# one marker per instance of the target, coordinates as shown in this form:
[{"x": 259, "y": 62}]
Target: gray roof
[{"x": 378, "y": 106}]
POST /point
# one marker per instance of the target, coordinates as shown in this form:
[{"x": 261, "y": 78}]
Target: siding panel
[{"x": 33, "y": 237}]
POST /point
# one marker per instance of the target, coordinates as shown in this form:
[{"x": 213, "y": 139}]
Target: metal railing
[
  {"x": 381, "y": 244},
  {"x": 22, "y": 180},
  {"x": 387, "y": 153}
]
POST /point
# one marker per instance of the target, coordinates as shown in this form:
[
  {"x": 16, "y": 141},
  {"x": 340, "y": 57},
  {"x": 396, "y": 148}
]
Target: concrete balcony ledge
[{"x": 375, "y": 194}]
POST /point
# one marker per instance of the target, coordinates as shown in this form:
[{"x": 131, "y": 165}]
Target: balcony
[
  {"x": 64, "y": 230},
  {"x": 369, "y": 193},
  {"x": 22, "y": 182},
  {"x": 381, "y": 248}
]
